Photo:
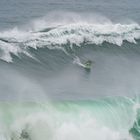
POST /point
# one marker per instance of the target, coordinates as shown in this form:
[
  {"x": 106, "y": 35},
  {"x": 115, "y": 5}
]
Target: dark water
[{"x": 46, "y": 93}]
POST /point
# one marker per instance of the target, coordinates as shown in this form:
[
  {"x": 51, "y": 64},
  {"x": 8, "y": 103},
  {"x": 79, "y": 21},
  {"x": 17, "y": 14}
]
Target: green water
[{"x": 110, "y": 118}]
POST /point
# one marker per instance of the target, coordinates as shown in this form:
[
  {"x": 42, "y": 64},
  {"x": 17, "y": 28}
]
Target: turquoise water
[{"x": 98, "y": 119}]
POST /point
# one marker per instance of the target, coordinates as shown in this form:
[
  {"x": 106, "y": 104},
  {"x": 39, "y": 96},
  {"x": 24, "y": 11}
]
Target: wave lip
[
  {"x": 16, "y": 41},
  {"x": 92, "y": 33}
]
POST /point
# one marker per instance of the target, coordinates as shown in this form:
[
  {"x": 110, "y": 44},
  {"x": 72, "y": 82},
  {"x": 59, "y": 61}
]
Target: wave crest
[{"x": 16, "y": 41}]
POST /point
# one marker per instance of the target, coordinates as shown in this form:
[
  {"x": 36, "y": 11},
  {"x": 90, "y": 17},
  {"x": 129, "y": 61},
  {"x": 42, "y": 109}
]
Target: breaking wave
[
  {"x": 48, "y": 62},
  {"x": 67, "y": 120},
  {"x": 65, "y": 36}
]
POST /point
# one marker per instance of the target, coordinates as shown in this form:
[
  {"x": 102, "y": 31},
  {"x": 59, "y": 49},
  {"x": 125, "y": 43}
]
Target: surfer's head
[{"x": 88, "y": 62}]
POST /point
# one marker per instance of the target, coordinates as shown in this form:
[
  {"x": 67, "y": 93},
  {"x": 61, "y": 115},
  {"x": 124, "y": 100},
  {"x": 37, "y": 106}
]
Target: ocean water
[{"x": 46, "y": 93}]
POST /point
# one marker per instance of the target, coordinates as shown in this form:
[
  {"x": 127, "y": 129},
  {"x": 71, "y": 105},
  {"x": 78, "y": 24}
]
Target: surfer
[{"x": 88, "y": 64}]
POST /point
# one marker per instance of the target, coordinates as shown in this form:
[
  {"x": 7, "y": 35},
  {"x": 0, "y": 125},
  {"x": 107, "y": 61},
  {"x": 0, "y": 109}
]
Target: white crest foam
[{"x": 18, "y": 41}]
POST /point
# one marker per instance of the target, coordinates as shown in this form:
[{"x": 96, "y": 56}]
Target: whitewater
[{"x": 15, "y": 41}]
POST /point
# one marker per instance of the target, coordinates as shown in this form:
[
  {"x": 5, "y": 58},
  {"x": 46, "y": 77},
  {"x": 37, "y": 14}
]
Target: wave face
[{"x": 48, "y": 93}]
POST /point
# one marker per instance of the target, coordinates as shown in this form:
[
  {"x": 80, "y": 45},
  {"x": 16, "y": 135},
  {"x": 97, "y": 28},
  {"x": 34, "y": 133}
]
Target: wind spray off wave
[{"x": 65, "y": 36}]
